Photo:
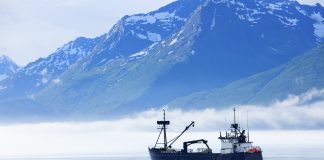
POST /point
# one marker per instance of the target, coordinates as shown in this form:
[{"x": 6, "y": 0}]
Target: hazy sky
[{"x": 30, "y": 29}]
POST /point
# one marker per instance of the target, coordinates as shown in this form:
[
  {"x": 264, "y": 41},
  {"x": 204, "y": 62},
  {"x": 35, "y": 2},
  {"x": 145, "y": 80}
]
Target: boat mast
[
  {"x": 164, "y": 130},
  {"x": 162, "y": 125}
]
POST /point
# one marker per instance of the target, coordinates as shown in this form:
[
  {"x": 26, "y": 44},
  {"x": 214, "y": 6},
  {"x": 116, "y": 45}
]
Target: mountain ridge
[
  {"x": 301, "y": 74},
  {"x": 148, "y": 60}
]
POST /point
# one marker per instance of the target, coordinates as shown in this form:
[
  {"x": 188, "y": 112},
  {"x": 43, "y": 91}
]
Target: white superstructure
[{"x": 236, "y": 141}]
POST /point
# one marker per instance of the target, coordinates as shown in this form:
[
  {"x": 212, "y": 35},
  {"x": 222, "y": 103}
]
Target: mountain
[
  {"x": 221, "y": 41},
  {"x": 236, "y": 47},
  {"x": 301, "y": 74},
  {"x": 7, "y": 67},
  {"x": 134, "y": 33},
  {"x": 236, "y": 39},
  {"x": 131, "y": 34},
  {"x": 36, "y": 75},
  {"x": 148, "y": 60},
  {"x": 96, "y": 80}
]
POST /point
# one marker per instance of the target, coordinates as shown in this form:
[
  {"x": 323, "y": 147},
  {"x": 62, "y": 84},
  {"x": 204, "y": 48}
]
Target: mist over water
[
  {"x": 288, "y": 129},
  {"x": 95, "y": 141}
]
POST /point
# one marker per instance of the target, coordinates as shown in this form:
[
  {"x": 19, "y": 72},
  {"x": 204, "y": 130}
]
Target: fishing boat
[{"x": 235, "y": 145}]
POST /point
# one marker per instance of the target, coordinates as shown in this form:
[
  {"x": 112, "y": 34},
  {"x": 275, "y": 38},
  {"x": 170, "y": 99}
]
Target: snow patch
[
  {"x": 152, "y": 45},
  {"x": 150, "y": 19},
  {"x": 154, "y": 36},
  {"x": 288, "y": 21},
  {"x": 142, "y": 53},
  {"x": 112, "y": 45},
  {"x": 163, "y": 15},
  {"x": 274, "y": 6},
  {"x": 147, "y": 19},
  {"x": 274, "y": 49},
  {"x": 180, "y": 33},
  {"x": 3, "y": 87},
  {"x": 3, "y": 76},
  {"x": 173, "y": 41},
  {"x": 56, "y": 81},
  {"x": 317, "y": 17},
  {"x": 141, "y": 36},
  {"x": 319, "y": 30},
  {"x": 252, "y": 19},
  {"x": 212, "y": 26},
  {"x": 319, "y": 25},
  {"x": 44, "y": 71},
  {"x": 103, "y": 60},
  {"x": 301, "y": 10},
  {"x": 249, "y": 14},
  {"x": 44, "y": 80}
]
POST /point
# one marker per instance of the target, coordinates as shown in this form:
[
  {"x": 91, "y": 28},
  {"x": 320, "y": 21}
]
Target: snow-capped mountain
[
  {"x": 36, "y": 75},
  {"x": 148, "y": 60},
  {"x": 228, "y": 47},
  {"x": 136, "y": 32},
  {"x": 129, "y": 35},
  {"x": 222, "y": 41},
  {"x": 7, "y": 67}
]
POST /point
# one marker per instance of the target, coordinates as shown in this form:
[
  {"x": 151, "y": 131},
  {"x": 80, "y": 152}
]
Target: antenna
[
  {"x": 225, "y": 120},
  {"x": 247, "y": 124},
  {"x": 234, "y": 116},
  {"x": 242, "y": 119}
]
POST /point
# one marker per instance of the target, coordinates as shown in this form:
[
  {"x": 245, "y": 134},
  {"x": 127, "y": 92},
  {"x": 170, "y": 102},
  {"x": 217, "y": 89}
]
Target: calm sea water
[
  {"x": 276, "y": 145},
  {"x": 286, "y": 157},
  {"x": 295, "y": 153},
  {"x": 271, "y": 153}
]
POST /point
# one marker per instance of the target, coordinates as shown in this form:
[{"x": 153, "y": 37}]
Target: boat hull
[{"x": 178, "y": 155}]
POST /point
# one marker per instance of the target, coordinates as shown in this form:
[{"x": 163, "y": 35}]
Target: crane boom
[{"x": 177, "y": 137}]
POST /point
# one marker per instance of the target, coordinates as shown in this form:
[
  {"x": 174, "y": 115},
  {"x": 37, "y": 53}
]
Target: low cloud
[
  {"x": 303, "y": 111},
  {"x": 295, "y": 117}
]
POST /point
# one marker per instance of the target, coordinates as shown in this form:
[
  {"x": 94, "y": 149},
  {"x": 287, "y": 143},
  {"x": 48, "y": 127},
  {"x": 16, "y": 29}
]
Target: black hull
[{"x": 177, "y": 155}]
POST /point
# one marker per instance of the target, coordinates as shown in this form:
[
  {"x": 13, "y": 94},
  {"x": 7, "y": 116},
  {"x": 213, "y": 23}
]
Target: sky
[{"x": 31, "y": 29}]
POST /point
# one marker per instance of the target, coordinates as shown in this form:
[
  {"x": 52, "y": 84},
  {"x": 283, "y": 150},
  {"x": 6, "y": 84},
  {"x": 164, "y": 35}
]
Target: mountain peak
[
  {"x": 4, "y": 58},
  {"x": 7, "y": 67}
]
